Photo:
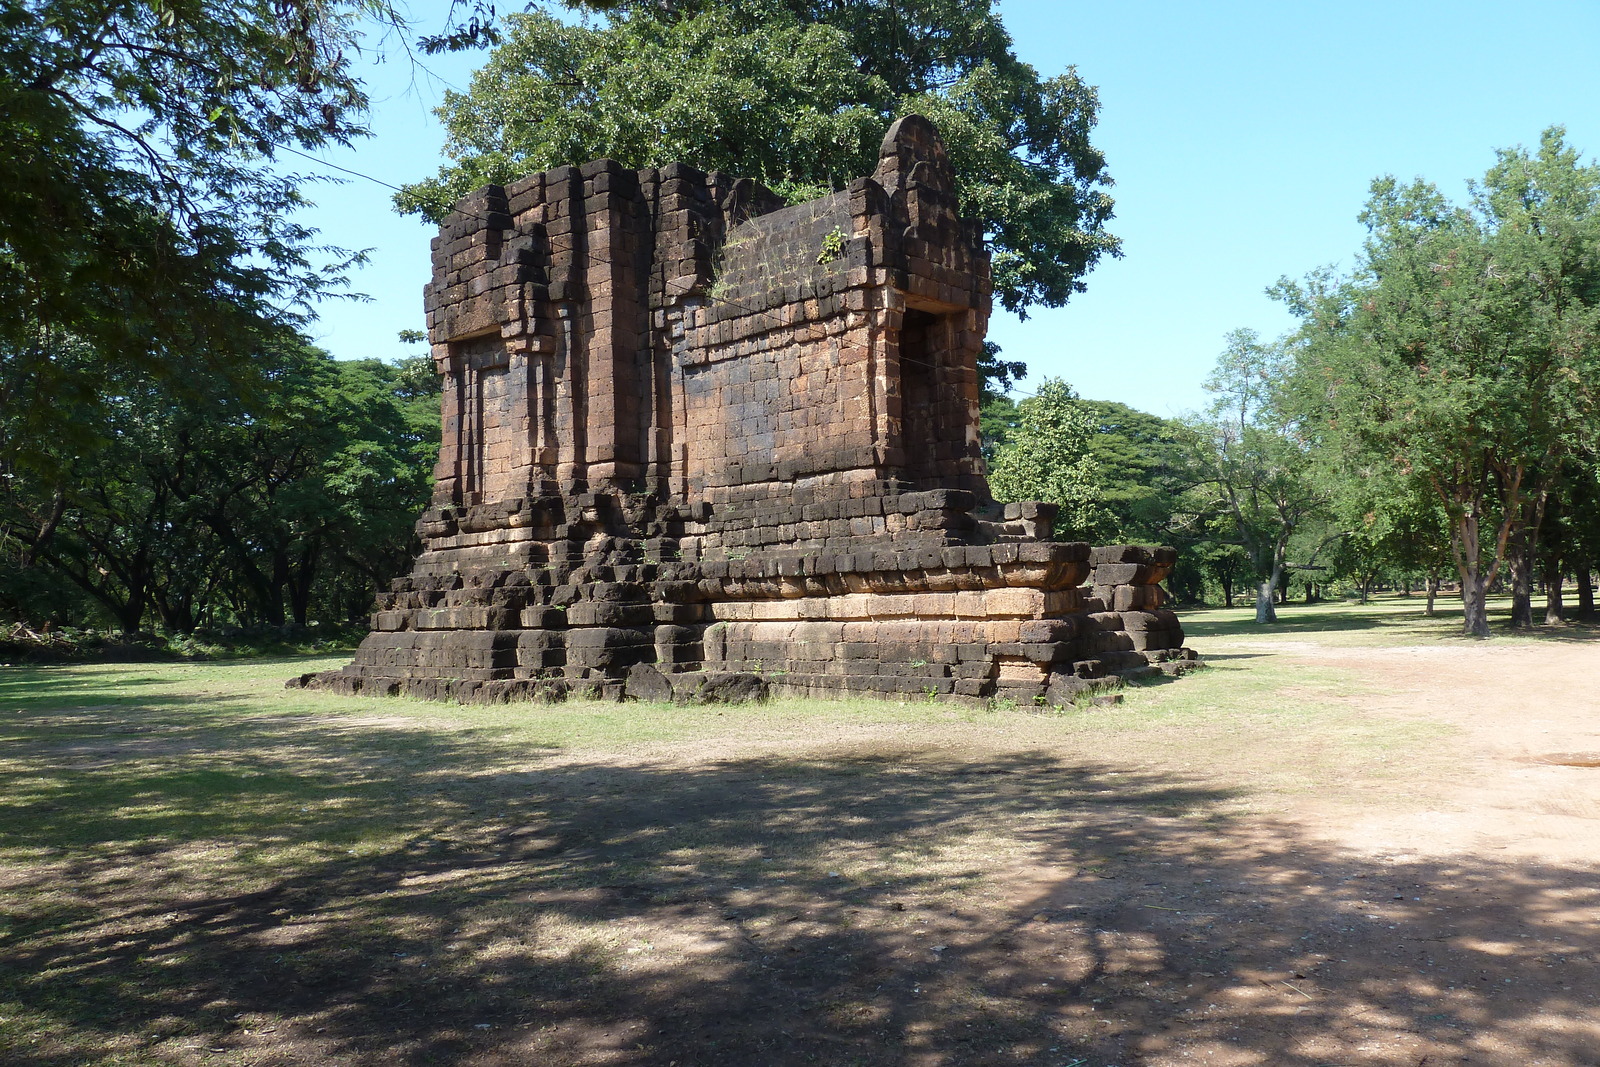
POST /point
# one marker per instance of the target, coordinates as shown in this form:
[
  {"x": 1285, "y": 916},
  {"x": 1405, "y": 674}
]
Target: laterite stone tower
[{"x": 694, "y": 439}]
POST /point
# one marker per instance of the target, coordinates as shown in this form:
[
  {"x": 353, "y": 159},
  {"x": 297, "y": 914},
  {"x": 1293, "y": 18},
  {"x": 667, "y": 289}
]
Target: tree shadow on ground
[
  {"x": 1572, "y": 632},
  {"x": 917, "y": 907},
  {"x": 56, "y": 686},
  {"x": 1410, "y": 626},
  {"x": 1323, "y": 620}
]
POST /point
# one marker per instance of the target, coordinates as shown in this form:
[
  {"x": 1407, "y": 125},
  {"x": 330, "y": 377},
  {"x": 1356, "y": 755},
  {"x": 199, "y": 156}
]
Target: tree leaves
[
  {"x": 291, "y": 504},
  {"x": 1047, "y": 457},
  {"x": 1464, "y": 350},
  {"x": 140, "y": 220},
  {"x": 797, "y": 95}
]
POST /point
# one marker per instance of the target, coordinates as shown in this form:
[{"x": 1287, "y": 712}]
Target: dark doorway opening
[{"x": 918, "y": 431}]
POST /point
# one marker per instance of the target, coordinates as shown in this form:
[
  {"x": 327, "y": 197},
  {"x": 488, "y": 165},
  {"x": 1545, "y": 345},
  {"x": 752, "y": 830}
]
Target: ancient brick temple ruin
[{"x": 697, "y": 442}]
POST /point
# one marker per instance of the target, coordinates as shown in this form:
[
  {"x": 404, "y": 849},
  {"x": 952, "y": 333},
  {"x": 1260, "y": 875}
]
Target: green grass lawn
[{"x": 196, "y": 863}]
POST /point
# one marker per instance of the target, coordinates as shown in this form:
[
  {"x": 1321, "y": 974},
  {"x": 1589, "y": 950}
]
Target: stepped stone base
[{"x": 607, "y": 595}]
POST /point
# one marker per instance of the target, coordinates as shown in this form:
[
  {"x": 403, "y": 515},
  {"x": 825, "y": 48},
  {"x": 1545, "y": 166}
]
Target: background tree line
[
  {"x": 208, "y": 511},
  {"x": 171, "y": 451},
  {"x": 1436, "y": 414}
]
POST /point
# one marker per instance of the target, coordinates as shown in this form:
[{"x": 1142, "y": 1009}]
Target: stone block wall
[{"x": 691, "y": 433}]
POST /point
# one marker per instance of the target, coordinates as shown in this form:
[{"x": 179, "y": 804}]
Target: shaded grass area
[
  {"x": 19, "y": 644},
  {"x": 199, "y": 867},
  {"x": 1387, "y": 619},
  {"x": 186, "y": 866}
]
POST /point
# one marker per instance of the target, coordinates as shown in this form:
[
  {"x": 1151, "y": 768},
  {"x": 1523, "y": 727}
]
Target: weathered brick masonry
[{"x": 690, "y": 434}]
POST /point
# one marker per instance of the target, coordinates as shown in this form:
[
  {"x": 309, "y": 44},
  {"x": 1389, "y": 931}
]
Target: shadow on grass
[
  {"x": 1408, "y": 625},
  {"x": 507, "y": 907},
  {"x": 55, "y": 685},
  {"x": 1572, "y": 632},
  {"x": 1317, "y": 619}
]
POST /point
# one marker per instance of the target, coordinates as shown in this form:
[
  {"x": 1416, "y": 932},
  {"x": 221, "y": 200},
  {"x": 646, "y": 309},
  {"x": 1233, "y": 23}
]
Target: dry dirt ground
[{"x": 1326, "y": 850}]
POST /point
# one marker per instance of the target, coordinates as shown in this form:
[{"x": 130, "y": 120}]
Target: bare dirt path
[
  {"x": 1450, "y": 917},
  {"x": 1523, "y": 773}
]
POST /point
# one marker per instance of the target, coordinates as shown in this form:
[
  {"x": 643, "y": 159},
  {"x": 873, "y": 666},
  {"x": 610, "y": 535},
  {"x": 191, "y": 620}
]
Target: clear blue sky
[{"x": 1241, "y": 136}]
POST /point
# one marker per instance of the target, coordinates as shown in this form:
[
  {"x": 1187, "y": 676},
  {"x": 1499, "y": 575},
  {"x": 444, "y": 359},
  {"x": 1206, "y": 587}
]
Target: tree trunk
[
  {"x": 300, "y": 603},
  {"x": 1554, "y": 609},
  {"x": 1265, "y": 612},
  {"x": 130, "y": 613},
  {"x": 1433, "y": 592},
  {"x": 1468, "y": 550},
  {"x": 1525, "y": 550},
  {"x": 301, "y": 581},
  {"x": 1474, "y": 607},
  {"x": 1522, "y": 579},
  {"x": 1585, "y": 592},
  {"x": 1227, "y": 591},
  {"x": 101, "y": 585},
  {"x": 177, "y": 616},
  {"x": 264, "y": 604}
]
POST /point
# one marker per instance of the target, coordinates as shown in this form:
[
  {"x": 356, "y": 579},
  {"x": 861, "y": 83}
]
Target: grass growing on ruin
[{"x": 194, "y": 859}]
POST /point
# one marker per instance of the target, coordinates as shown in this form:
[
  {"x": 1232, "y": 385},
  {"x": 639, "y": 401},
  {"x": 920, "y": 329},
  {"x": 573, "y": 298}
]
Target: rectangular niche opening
[
  {"x": 919, "y": 331},
  {"x": 492, "y": 421}
]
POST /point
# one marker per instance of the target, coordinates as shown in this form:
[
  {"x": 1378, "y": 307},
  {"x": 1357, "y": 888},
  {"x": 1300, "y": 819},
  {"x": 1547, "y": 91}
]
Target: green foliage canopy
[
  {"x": 291, "y": 504},
  {"x": 140, "y": 217},
  {"x": 1252, "y": 462},
  {"x": 1048, "y": 458},
  {"x": 1144, "y": 473},
  {"x": 1464, "y": 350},
  {"x": 797, "y": 94}
]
